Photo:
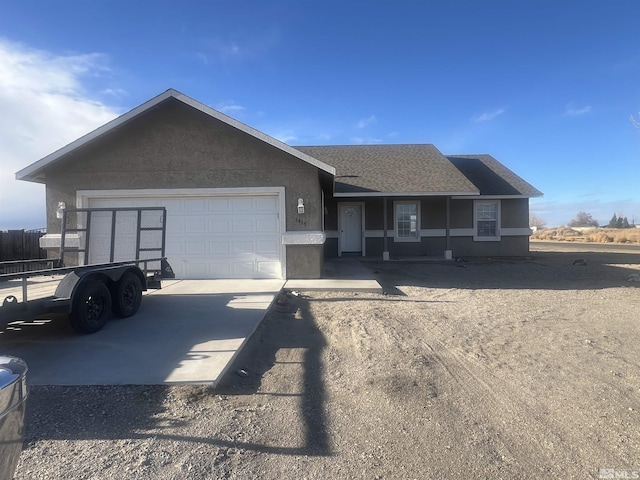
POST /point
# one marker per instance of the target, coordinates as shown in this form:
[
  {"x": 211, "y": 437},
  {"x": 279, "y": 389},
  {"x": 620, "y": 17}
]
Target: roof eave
[
  {"x": 404, "y": 194},
  {"x": 494, "y": 197}
]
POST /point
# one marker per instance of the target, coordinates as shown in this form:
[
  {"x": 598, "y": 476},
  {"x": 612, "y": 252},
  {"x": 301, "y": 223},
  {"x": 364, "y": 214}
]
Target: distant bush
[
  {"x": 558, "y": 234},
  {"x": 599, "y": 237},
  {"x": 593, "y": 235}
]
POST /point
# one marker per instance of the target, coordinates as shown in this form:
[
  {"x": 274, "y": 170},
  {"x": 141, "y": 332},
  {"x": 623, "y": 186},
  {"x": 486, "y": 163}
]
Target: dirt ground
[{"x": 491, "y": 368}]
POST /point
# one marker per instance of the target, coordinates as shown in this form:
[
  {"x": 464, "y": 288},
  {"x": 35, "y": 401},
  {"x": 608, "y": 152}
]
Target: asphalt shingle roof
[
  {"x": 421, "y": 168},
  {"x": 392, "y": 169},
  {"x": 492, "y": 177}
]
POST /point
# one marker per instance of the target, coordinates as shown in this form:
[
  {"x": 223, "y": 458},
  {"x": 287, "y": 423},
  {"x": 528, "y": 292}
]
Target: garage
[
  {"x": 209, "y": 235},
  {"x": 240, "y": 204}
]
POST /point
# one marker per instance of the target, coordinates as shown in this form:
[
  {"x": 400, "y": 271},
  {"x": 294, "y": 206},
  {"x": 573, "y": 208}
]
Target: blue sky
[{"x": 547, "y": 87}]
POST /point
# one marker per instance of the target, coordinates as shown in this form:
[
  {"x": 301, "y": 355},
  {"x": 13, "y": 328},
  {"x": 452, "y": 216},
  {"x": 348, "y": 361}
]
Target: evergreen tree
[
  {"x": 625, "y": 223},
  {"x": 613, "y": 223}
]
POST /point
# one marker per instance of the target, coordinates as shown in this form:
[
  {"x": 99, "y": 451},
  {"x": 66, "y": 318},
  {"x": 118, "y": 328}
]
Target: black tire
[
  {"x": 90, "y": 307},
  {"x": 127, "y": 295}
]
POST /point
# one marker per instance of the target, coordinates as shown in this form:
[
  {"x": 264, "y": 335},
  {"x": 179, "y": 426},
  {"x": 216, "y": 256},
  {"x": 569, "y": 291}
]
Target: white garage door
[{"x": 207, "y": 237}]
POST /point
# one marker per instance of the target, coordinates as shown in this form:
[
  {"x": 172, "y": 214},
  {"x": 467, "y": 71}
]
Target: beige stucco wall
[{"x": 176, "y": 146}]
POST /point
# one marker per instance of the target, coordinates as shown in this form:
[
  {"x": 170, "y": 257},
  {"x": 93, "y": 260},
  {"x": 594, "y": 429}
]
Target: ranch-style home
[{"x": 241, "y": 204}]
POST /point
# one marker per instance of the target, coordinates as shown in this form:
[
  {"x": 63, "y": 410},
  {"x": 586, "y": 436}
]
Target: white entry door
[{"x": 350, "y": 227}]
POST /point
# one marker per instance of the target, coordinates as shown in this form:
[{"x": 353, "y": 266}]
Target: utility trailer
[{"x": 90, "y": 291}]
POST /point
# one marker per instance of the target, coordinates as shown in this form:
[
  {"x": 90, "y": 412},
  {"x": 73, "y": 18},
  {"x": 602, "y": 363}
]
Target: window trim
[
  {"x": 413, "y": 238},
  {"x": 479, "y": 238}
]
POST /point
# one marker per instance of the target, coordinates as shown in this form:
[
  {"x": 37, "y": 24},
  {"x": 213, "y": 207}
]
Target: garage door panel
[
  {"x": 195, "y": 225},
  {"x": 125, "y": 249},
  {"x": 268, "y": 269},
  {"x": 150, "y": 239},
  {"x": 266, "y": 247},
  {"x": 220, "y": 247},
  {"x": 218, "y": 204},
  {"x": 126, "y": 222},
  {"x": 174, "y": 247},
  {"x": 195, "y": 270},
  {"x": 241, "y": 247},
  {"x": 194, "y": 206},
  {"x": 151, "y": 219},
  {"x": 220, "y": 226},
  {"x": 220, "y": 270},
  {"x": 196, "y": 248},
  {"x": 207, "y": 237},
  {"x": 243, "y": 269},
  {"x": 266, "y": 204},
  {"x": 242, "y": 204},
  {"x": 242, "y": 225}
]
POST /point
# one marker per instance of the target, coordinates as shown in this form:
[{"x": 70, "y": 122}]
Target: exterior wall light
[
  {"x": 60, "y": 210},
  {"x": 300, "y": 206}
]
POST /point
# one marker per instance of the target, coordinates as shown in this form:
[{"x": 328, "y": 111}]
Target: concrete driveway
[{"x": 188, "y": 332}]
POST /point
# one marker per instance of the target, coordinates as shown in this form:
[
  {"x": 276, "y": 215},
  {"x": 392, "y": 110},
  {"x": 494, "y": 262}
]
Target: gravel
[{"x": 491, "y": 368}]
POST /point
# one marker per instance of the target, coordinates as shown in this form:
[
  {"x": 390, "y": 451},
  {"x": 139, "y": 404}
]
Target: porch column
[
  {"x": 448, "y": 255},
  {"x": 385, "y": 242}
]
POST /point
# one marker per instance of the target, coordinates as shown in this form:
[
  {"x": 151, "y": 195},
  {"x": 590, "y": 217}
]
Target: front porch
[{"x": 346, "y": 274}]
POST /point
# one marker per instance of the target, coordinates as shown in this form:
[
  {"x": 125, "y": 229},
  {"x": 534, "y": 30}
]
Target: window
[
  {"x": 487, "y": 220},
  {"x": 407, "y": 224}
]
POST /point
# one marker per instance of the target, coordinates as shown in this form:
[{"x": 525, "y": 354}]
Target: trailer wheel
[
  {"x": 127, "y": 295},
  {"x": 90, "y": 307}
]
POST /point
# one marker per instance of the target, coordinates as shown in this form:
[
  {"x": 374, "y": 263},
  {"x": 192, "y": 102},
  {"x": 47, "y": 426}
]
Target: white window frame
[
  {"x": 396, "y": 236},
  {"x": 484, "y": 238}
]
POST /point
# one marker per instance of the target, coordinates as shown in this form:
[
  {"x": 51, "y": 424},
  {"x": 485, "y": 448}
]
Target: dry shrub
[
  {"x": 627, "y": 235},
  {"x": 557, "y": 234},
  {"x": 599, "y": 237},
  {"x": 596, "y": 235}
]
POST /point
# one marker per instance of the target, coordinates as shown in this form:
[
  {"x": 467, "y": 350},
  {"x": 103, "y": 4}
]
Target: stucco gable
[{"x": 36, "y": 171}]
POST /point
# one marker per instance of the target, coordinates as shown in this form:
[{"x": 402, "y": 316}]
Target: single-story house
[{"x": 242, "y": 204}]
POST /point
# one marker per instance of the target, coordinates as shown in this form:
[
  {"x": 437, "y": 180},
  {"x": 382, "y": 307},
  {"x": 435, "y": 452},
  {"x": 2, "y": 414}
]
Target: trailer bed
[{"x": 39, "y": 287}]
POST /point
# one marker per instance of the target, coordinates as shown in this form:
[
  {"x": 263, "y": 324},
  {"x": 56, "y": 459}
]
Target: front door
[{"x": 350, "y": 227}]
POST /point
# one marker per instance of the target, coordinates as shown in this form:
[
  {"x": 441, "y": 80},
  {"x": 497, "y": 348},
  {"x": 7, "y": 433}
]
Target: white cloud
[
  {"x": 43, "y": 106},
  {"x": 285, "y": 136},
  {"x": 489, "y": 115},
  {"x": 366, "y": 121},
  {"x": 572, "y": 111},
  {"x": 229, "y": 107},
  {"x": 114, "y": 92}
]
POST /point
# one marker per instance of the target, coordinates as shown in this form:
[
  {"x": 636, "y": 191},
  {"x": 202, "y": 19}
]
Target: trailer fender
[
  {"x": 109, "y": 276},
  {"x": 67, "y": 285},
  {"x": 73, "y": 281}
]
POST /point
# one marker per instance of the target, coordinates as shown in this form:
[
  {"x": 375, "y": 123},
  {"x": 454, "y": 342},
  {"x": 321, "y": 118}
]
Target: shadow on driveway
[{"x": 140, "y": 412}]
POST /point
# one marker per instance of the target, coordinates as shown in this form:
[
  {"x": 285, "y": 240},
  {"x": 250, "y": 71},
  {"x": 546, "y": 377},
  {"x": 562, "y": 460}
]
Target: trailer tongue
[{"x": 89, "y": 293}]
